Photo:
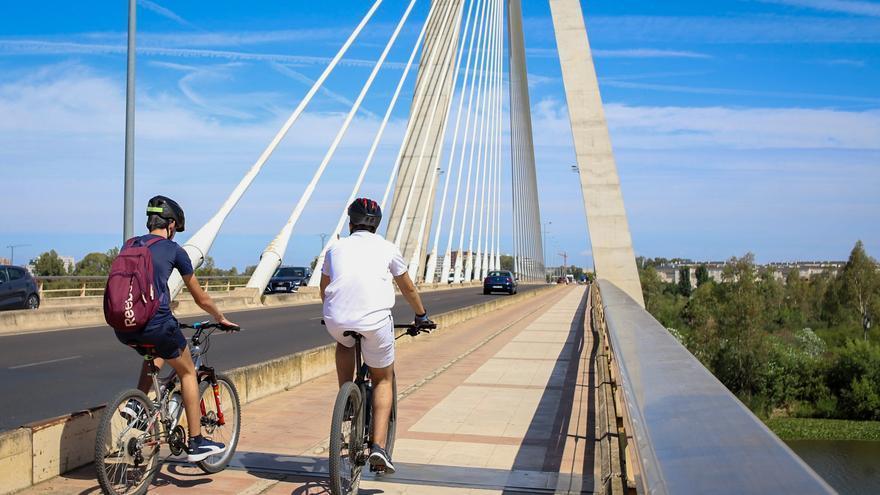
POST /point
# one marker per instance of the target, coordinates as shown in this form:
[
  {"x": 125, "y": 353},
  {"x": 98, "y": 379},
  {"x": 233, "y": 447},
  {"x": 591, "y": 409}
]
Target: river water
[{"x": 850, "y": 467}]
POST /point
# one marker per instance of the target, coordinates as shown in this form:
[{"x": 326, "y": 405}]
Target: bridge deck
[{"x": 502, "y": 403}]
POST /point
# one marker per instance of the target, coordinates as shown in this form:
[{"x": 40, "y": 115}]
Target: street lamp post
[
  {"x": 544, "y": 249},
  {"x": 128, "y": 195},
  {"x": 323, "y": 236},
  {"x": 12, "y": 251}
]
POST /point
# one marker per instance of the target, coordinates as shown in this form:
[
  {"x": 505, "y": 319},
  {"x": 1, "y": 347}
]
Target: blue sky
[{"x": 738, "y": 125}]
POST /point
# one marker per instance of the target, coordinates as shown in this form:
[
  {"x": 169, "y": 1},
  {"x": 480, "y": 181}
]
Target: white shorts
[{"x": 377, "y": 345}]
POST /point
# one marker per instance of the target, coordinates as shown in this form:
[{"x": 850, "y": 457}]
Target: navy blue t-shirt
[{"x": 167, "y": 255}]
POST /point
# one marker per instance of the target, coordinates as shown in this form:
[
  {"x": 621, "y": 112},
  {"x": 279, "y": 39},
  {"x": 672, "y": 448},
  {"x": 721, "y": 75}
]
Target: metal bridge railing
[
  {"x": 82, "y": 286},
  {"x": 690, "y": 433}
]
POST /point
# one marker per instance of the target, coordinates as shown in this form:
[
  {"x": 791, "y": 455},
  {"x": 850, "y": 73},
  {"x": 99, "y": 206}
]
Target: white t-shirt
[{"x": 361, "y": 268}]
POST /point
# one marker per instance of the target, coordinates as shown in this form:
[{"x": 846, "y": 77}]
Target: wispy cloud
[
  {"x": 308, "y": 81},
  {"x": 225, "y": 38},
  {"x": 623, "y": 53},
  {"x": 536, "y": 80},
  {"x": 855, "y": 7},
  {"x": 43, "y": 47},
  {"x": 790, "y": 95},
  {"x": 194, "y": 74},
  {"x": 718, "y": 128},
  {"x": 746, "y": 29},
  {"x": 164, "y": 12},
  {"x": 846, "y": 62}
]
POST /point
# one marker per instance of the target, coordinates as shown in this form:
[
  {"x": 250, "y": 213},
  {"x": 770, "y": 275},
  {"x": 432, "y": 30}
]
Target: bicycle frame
[{"x": 161, "y": 386}]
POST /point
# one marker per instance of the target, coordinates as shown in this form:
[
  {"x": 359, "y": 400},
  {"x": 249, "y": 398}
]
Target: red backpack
[{"x": 130, "y": 299}]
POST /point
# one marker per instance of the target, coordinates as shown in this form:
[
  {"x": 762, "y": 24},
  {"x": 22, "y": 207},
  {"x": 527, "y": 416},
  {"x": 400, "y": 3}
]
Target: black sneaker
[
  {"x": 135, "y": 414},
  {"x": 380, "y": 460},
  {"x": 200, "y": 448}
]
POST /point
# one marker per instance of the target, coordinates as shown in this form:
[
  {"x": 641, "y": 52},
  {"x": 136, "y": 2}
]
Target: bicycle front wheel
[
  {"x": 225, "y": 431},
  {"x": 127, "y": 445},
  {"x": 346, "y": 441}
]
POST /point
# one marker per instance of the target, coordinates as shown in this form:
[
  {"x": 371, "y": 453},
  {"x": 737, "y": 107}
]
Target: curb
[{"x": 44, "y": 449}]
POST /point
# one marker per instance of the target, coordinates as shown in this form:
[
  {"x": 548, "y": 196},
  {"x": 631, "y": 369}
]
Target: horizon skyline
[{"x": 744, "y": 125}]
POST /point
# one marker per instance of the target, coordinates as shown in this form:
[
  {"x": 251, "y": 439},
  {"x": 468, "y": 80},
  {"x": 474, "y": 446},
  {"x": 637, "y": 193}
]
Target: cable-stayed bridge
[{"x": 571, "y": 391}]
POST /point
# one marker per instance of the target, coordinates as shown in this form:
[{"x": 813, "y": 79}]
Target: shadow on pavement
[{"x": 313, "y": 472}]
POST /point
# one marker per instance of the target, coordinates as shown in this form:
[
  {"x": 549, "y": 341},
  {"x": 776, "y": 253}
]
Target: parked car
[
  {"x": 499, "y": 281},
  {"x": 288, "y": 279},
  {"x": 18, "y": 289}
]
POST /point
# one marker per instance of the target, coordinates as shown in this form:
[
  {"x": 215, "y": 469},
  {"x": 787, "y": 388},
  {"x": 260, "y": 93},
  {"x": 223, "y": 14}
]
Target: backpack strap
[{"x": 139, "y": 240}]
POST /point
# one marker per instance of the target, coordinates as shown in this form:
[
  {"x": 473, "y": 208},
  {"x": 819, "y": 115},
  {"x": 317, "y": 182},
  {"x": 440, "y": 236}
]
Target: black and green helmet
[{"x": 168, "y": 209}]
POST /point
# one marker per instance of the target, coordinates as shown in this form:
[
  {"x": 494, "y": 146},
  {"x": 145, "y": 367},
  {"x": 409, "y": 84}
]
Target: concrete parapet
[
  {"x": 63, "y": 443},
  {"x": 44, "y": 449},
  {"x": 16, "y": 460},
  {"x": 66, "y": 302}
]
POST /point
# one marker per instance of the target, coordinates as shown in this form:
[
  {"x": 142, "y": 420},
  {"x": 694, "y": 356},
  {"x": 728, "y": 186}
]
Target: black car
[
  {"x": 499, "y": 281},
  {"x": 18, "y": 289},
  {"x": 288, "y": 279}
]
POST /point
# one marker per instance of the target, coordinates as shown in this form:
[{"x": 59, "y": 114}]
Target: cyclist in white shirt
[{"x": 358, "y": 295}]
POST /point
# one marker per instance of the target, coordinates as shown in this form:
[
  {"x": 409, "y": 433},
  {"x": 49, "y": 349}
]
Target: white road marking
[{"x": 43, "y": 362}]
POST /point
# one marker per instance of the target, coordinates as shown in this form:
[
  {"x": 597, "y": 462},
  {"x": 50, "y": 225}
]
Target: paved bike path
[{"x": 499, "y": 404}]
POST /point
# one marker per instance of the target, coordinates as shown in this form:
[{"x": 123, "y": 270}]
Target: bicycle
[
  {"x": 351, "y": 423},
  {"x": 134, "y": 427}
]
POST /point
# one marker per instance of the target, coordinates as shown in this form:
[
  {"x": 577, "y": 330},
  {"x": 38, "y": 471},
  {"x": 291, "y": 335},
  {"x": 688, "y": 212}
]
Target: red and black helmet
[{"x": 365, "y": 212}]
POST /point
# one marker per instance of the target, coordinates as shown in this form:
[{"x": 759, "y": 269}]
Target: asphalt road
[{"x": 48, "y": 374}]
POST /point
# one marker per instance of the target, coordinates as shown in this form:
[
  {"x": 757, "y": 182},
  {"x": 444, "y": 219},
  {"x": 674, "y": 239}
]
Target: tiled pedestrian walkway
[{"x": 500, "y": 404}]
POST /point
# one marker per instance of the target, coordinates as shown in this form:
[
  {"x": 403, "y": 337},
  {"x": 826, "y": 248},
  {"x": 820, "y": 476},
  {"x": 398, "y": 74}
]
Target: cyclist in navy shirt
[{"x": 165, "y": 218}]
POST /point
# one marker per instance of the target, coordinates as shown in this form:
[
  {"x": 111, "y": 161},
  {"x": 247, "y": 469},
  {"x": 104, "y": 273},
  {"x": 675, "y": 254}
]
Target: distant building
[
  {"x": 69, "y": 263},
  {"x": 671, "y": 273},
  {"x": 5, "y": 261}
]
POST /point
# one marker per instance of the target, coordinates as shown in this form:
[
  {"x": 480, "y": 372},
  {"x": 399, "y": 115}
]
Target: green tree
[
  {"x": 49, "y": 264},
  {"x": 652, "y": 288},
  {"x": 702, "y": 274},
  {"x": 506, "y": 262},
  {"x": 208, "y": 268},
  {"x": 684, "y": 282},
  {"x": 740, "y": 360},
  {"x": 93, "y": 264},
  {"x": 860, "y": 285}
]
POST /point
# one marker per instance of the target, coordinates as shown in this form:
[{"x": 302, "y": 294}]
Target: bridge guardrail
[
  {"x": 82, "y": 286},
  {"x": 691, "y": 434}
]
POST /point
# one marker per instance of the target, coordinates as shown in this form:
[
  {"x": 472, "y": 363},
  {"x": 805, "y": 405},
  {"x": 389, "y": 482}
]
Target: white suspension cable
[
  {"x": 421, "y": 90},
  {"x": 496, "y": 186},
  {"x": 432, "y": 257},
  {"x": 315, "y": 280},
  {"x": 401, "y": 226},
  {"x": 466, "y": 144},
  {"x": 480, "y": 179},
  {"x": 480, "y": 87},
  {"x": 486, "y": 214},
  {"x": 416, "y": 256},
  {"x": 198, "y": 246},
  {"x": 489, "y": 153},
  {"x": 274, "y": 252}
]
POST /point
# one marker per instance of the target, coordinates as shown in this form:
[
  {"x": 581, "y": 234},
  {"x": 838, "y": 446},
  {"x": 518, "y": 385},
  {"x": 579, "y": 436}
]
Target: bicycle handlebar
[
  {"x": 207, "y": 325},
  {"x": 432, "y": 326}
]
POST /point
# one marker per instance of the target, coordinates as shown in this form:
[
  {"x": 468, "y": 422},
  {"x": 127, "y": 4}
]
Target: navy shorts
[{"x": 166, "y": 338}]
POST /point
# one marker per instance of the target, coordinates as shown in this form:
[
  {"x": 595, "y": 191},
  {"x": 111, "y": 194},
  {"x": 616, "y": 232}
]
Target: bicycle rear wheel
[
  {"x": 127, "y": 445},
  {"x": 346, "y": 441},
  {"x": 228, "y": 432}
]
